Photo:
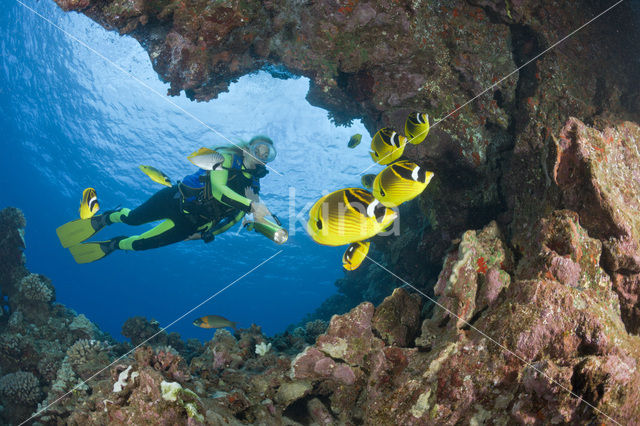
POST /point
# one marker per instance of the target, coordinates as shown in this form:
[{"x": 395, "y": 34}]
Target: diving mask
[{"x": 262, "y": 149}]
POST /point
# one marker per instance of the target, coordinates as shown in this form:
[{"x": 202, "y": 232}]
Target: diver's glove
[
  {"x": 259, "y": 211},
  {"x": 208, "y": 236}
]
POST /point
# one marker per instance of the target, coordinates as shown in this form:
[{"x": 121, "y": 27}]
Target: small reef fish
[
  {"x": 206, "y": 158},
  {"x": 355, "y": 254},
  {"x": 387, "y": 146},
  {"x": 416, "y": 127},
  {"x": 355, "y": 140},
  {"x": 346, "y": 216},
  {"x": 400, "y": 182},
  {"x": 89, "y": 204},
  {"x": 213, "y": 321},
  {"x": 156, "y": 175},
  {"x": 367, "y": 181}
]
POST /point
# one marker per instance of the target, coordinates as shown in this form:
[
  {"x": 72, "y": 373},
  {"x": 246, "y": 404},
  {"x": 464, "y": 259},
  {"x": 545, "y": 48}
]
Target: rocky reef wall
[
  {"x": 540, "y": 340},
  {"x": 533, "y": 209}
]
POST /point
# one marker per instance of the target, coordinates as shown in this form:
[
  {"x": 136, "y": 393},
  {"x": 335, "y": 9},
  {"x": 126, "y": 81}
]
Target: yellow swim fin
[
  {"x": 76, "y": 231},
  {"x": 88, "y": 252},
  {"x": 95, "y": 250}
]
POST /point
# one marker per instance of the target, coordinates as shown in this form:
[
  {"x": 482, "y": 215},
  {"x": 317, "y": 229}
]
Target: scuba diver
[{"x": 201, "y": 206}]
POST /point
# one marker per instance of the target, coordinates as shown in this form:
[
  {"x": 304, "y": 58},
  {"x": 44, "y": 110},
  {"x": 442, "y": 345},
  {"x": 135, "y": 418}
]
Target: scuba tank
[{"x": 274, "y": 231}]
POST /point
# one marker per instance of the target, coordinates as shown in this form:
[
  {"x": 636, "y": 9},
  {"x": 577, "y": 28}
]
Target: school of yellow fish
[{"x": 353, "y": 215}]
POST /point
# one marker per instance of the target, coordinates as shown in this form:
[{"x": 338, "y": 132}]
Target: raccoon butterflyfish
[
  {"x": 213, "y": 321},
  {"x": 206, "y": 158},
  {"x": 355, "y": 254},
  {"x": 400, "y": 182},
  {"x": 347, "y": 215},
  {"x": 89, "y": 204},
  {"x": 387, "y": 146},
  {"x": 416, "y": 127},
  {"x": 355, "y": 140},
  {"x": 156, "y": 175},
  {"x": 367, "y": 181}
]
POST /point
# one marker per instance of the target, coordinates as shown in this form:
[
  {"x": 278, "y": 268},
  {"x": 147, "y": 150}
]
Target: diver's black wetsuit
[
  {"x": 188, "y": 210},
  {"x": 164, "y": 204}
]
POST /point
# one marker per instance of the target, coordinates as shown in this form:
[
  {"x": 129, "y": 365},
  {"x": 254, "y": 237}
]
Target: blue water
[{"x": 70, "y": 119}]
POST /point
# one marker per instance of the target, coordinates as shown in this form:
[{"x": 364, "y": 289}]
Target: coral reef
[
  {"x": 563, "y": 334},
  {"x": 35, "y": 289},
  {"x": 596, "y": 172},
  {"x": 12, "y": 269},
  {"x": 532, "y": 317},
  {"x": 20, "y": 391},
  {"x": 532, "y": 338},
  {"x": 87, "y": 356},
  {"x": 36, "y": 335}
]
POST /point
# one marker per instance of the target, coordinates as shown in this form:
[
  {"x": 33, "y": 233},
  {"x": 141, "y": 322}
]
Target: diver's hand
[
  {"x": 195, "y": 236},
  {"x": 259, "y": 211}
]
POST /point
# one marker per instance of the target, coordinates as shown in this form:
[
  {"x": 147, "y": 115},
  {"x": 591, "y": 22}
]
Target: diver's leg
[
  {"x": 162, "y": 205},
  {"x": 167, "y": 232}
]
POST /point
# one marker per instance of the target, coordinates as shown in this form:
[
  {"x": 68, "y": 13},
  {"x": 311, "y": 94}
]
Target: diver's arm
[
  {"x": 252, "y": 195},
  {"x": 258, "y": 208},
  {"x": 221, "y": 192}
]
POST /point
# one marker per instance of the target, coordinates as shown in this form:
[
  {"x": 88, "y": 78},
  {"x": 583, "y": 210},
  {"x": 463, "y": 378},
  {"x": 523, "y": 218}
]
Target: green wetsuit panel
[
  {"x": 220, "y": 189},
  {"x": 127, "y": 243}
]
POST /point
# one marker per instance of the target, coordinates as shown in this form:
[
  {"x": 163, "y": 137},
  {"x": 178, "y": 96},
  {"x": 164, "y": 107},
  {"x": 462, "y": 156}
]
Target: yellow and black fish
[
  {"x": 347, "y": 215},
  {"x": 416, "y": 127},
  {"x": 355, "y": 254},
  {"x": 213, "y": 321},
  {"x": 355, "y": 140},
  {"x": 387, "y": 146},
  {"x": 400, "y": 182},
  {"x": 367, "y": 181},
  {"x": 89, "y": 204},
  {"x": 156, "y": 175}
]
